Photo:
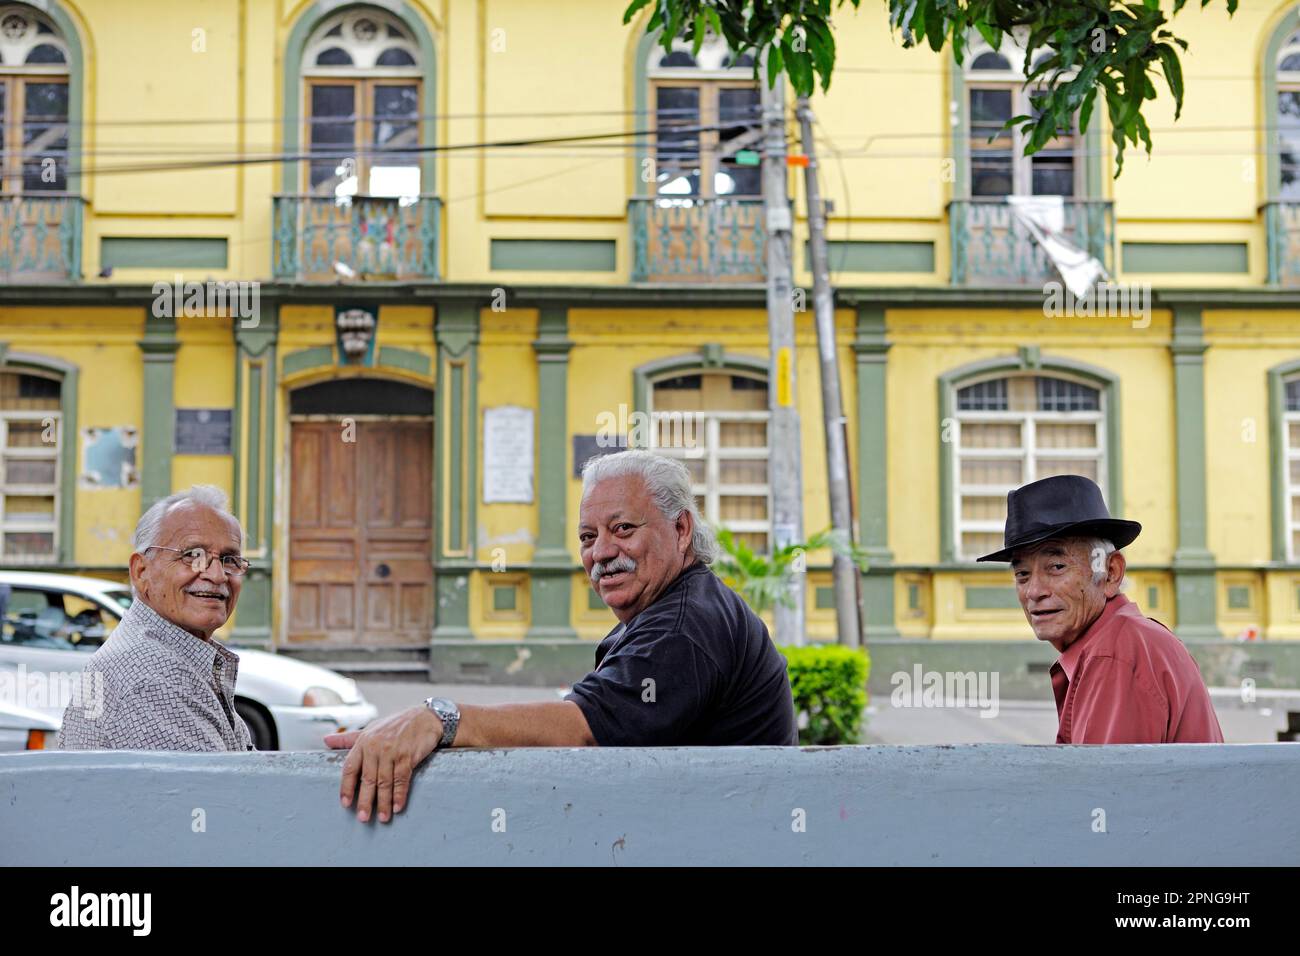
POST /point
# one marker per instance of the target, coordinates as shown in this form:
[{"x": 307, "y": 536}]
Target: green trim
[
  {"x": 553, "y": 255},
  {"x": 69, "y": 440},
  {"x": 1179, "y": 257},
  {"x": 595, "y": 603},
  {"x": 551, "y": 591},
  {"x": 319, "y": 356},
  {"x": 1272, "y": 133},
  {"x": 871, "y": 348},
  {"x": 452, "y": 586},
  {"x": 291, "y": 79},
  {"x": 872, "y": 255},
  {"x": 1238, "y": 598},
  {"x": 824, "y": 598},
  {"x": 984, "y": 598},
  {"x": 1194, "y": 585},
  {"x": 1028, "y": 359},
  {"x": 76, "y": 95},
  {"x": 253, "y": 616},
  {"x": 456, "y": 330},
  {"x": 159, "y": 346},
  {"x": 1277, "y": 377},
  {"x": 406, "y": 359},
  {"x": 169, "y": 252},
  {"x": 503, "y": 597},
  {"x": 710, "y": 356}
]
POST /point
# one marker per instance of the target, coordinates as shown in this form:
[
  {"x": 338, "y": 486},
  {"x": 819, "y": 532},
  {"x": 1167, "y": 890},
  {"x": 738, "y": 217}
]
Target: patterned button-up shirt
[{"x": 162, "y": 688}]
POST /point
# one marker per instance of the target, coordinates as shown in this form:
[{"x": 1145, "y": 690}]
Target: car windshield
[
  {"x": 120, "y": 598},
  {"x": 53, "y": 618}
]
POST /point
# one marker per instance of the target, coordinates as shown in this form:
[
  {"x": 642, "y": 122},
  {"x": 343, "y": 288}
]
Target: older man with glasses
[{"x": 167, "y": 685}]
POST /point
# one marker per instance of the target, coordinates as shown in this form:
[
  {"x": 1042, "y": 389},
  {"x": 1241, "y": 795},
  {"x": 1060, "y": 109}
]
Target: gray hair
[
  {"x": 146, "y": 530},
  {"x": 669, "y": 484}
]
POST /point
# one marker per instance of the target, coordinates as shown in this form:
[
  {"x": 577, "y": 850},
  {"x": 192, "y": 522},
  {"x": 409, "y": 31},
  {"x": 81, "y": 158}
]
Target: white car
[{"x": 50, "y": 624}]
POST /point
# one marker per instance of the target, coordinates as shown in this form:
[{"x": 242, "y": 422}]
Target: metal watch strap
[{"x": 449, "y": 714}]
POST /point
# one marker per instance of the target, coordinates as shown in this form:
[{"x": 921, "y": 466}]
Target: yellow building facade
[{"x": 389, "y": 273}]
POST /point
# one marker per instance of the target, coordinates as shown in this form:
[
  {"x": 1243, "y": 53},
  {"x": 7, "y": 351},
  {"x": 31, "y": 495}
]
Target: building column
[
  {"x": 551, "y": 575},
  {"x": 1194, "y": 581},
  {"x": 455, "y": 456},
  {"x": 871, "y": 348},
  {"x": 159, "y": 346},
  {"x": 255, "y": 468}
]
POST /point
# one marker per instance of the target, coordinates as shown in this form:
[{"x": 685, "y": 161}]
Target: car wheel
[{"x": 259, "y": 724}]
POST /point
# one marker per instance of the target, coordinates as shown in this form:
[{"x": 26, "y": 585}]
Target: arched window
[
  {"x": 716, "y": 421},
  {"x": 1287, "y": 65},
  {"x": 361, "y": 69},
  {"x": 33, "y": 103},
  {"x": 30, "y": 447},
  {"x": 1014, "y": 429},
  {"x": 995, "y": 92},
  {"x": 707, "y": 122}
]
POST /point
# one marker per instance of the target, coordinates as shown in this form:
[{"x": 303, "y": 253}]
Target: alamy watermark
[
  {"x": 635, "y": 429},
  {"x": 211, "y": 299},
  {"x": 922, "y": 688},
  {"x": 1113, "y": 300},
  {"x": 47, "y": 690}
]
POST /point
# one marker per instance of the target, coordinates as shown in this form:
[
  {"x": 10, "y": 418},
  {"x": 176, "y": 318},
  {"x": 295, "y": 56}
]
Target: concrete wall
[{"x": 965, "y": 805}]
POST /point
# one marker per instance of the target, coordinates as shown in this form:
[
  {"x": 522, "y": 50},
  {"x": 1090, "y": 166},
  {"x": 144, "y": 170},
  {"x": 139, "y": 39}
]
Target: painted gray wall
[{"x": 952, "y": 805}]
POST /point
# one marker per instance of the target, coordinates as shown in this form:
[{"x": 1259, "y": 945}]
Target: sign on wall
[
  {"x": 108, "y": 457},
  {"x": 203, "y": 431},
  {"x": 508, "y": 455}
]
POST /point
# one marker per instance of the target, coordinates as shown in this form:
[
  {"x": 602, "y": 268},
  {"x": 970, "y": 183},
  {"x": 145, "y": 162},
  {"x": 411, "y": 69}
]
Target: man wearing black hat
[{"x": 1122, "y": 678}]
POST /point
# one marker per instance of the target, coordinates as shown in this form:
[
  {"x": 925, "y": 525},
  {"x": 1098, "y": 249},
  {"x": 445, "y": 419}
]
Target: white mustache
[{"x": 621, "y": 563}]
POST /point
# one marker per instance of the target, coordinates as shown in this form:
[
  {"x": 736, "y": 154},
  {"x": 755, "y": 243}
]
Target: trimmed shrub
[{"x": 829, "y": 684}]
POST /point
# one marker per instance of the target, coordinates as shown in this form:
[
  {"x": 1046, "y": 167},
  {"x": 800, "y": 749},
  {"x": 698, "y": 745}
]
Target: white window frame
[
  {"x": 1291, "y": 453},
  {"x": 712, "y": 490},
  {"x": 26, "y": 524},
  {"x": 1027, "y": 451}
]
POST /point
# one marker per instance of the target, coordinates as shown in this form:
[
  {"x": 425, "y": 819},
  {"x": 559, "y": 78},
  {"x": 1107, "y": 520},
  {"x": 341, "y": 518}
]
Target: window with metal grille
[
  {"x": 30, "y": 440},
  {"x": 717, "y": 424},
  {"x": 33, "y": 103},
  {"x": 1014, "y": 430}
]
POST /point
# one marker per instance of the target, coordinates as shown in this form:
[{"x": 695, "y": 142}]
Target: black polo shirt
[{"x": 695, "y": 668}]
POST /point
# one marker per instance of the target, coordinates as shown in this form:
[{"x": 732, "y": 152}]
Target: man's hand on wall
[{"x": 383, "y": 757}]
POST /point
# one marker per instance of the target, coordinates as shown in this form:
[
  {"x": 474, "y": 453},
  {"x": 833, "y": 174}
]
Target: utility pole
[
  {"x": 843, "y": 570},
  {"x": 784, "y": 459}
]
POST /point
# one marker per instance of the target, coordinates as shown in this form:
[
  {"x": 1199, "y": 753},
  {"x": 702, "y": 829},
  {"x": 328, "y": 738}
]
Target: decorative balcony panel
[
  {"x": 324, "y": 238},
  {"x": 698, "y": 240},
  {"x": 40, "y": 238},
  {"x": 1282, "y": 220},
  {"x": 991, "y": 247}
]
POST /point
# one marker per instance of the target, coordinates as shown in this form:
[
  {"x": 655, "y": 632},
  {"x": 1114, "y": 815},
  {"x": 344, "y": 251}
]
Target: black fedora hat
[{"x": 1064, "y": 506}]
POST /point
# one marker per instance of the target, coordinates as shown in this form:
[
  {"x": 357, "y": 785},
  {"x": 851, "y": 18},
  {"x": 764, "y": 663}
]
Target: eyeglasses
[{"x": 198, "y": 559}]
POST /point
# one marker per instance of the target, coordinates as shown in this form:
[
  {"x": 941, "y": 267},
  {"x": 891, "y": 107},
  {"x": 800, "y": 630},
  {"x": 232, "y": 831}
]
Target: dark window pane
[
  {"x": 395, "y": 57},
  {"x": 35, "y": 386},
  {"x": 990, "y": 61},
  {"x": 741, "y": 383},
  {"x": 396, "y": 125},
  {"x": 1290, "y": 63},
  {"x": 983, "y": 397},
  {"x": 739, "y": 113},
  {"x": 1293, "y": 395},
  {"x": 46, "y": 53},
  {"x": 1057, "y": 395},
  {"x": 360, "y": 396},
  {"x": 45, "y": 136},
  {"x": 333, "y": 131},
  {"x": 680, "y": 382},
  {"x": 745, "y": 59},
  {"x": 335, "y": 31},
  {"x": 677, "y": 150},
  {"x": 1288, "y": 122},
  {"x": 334, "y": 56},
  {"x": 991, "y": 159},
  {"x": 678, "y": 58},
  {"x": 1053, "y": 173}
]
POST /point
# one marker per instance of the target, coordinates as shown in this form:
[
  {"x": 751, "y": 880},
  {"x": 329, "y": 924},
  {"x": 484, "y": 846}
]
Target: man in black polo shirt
[{"x": 688, "y": 664}]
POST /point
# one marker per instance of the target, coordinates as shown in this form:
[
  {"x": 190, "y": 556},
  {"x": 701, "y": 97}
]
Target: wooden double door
[{"x": 361, "y": 532}]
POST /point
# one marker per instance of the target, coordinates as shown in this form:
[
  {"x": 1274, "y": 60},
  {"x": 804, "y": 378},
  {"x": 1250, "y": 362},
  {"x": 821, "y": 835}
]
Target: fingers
[
  {"x": 342, "y": 741},
  {"x": 401, "y": 783},
  {"x": 385, "y": 807},
  {"x": 349, "y": 785},
  {"x": 369, "y": 777}
]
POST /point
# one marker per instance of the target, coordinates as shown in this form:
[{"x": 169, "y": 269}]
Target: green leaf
[
  {"x": 632, "y": 9},
  {"x": 775, "y": 63},
  {"x": 1173, "y": 71}
]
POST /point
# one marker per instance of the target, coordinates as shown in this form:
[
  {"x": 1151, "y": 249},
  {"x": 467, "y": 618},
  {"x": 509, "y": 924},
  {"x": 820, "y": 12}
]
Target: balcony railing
[
  {"x": 991, "y": 247},
  {"x": 40, "y": 238},
  {"x": 1282, "y": 219},
  {"x": 325, "y": 238},
  {"x": 697, "y": 240}
]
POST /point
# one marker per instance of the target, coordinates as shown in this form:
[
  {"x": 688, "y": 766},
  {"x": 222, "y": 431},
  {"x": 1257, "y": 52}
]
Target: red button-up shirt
[{"x": 1128, "y": 680}]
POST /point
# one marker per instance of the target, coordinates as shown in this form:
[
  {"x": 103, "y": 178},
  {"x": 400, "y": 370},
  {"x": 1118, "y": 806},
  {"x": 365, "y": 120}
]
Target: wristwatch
[{"x": 449, "y": 714}]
